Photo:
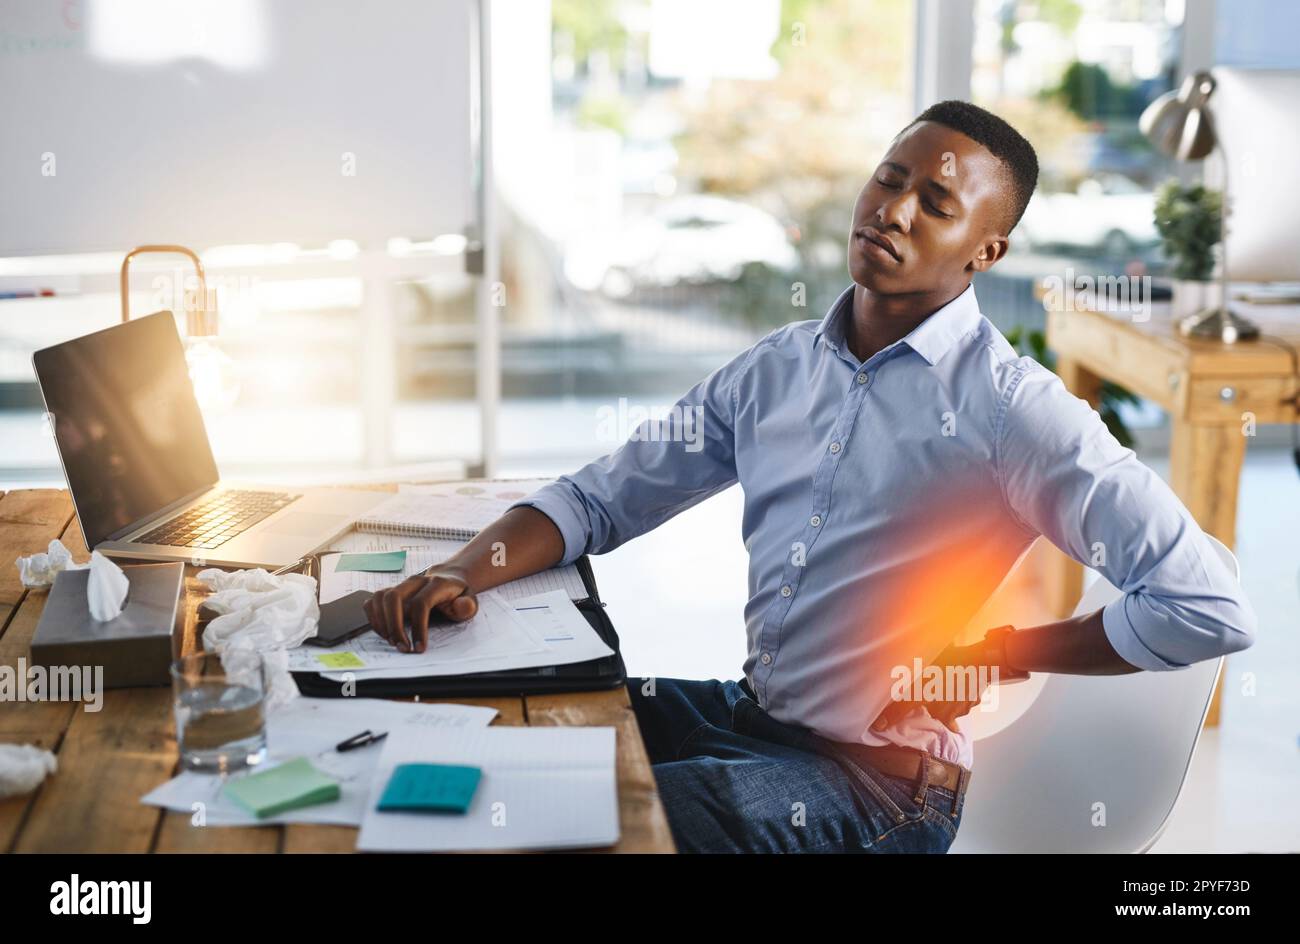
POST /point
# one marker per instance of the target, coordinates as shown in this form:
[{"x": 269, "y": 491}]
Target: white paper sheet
[
  {"x": 495, "y": 637},
  {"x": 542, "y": 788},
  {"x": 423, "y": 553},
  {"x": 565, "y": 633},
  {"x": 312, "y": 727}
]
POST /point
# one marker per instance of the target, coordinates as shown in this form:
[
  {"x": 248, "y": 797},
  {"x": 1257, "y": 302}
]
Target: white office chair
[{"x": 1057, "y": 745}]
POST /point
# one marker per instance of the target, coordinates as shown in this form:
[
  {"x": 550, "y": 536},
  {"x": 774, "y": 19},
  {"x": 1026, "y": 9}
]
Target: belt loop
[
  {"x": 963, "y": 778},
  {"x": 923, "y": 780}
]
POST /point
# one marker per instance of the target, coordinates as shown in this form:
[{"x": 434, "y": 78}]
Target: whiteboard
[{"x": 208, "y": 122}]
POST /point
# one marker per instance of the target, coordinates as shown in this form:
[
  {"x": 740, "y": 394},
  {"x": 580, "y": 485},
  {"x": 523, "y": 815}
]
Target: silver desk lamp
[{"x": 1180, "y": 125}]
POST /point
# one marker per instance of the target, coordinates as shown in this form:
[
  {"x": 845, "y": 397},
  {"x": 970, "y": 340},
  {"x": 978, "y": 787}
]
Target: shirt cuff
[
  {"x": 555, "y": 502},
  {"x": 1124, "y": 637}
]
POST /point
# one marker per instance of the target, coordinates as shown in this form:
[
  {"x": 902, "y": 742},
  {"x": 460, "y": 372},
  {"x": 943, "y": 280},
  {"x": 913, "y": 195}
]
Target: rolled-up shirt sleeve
[
  {"x": 669, "y": 463},
  {"x": 1065, "y": 476}
]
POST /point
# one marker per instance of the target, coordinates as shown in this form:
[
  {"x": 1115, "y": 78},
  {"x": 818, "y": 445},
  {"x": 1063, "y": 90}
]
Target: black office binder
[{"x": 596, "y": 675}]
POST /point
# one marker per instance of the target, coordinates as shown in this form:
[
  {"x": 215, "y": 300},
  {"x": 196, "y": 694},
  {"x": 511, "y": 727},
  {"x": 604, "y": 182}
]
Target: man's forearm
[
  {"x": 523, "y": 541},
  {"x": 1076, "y": 646}
]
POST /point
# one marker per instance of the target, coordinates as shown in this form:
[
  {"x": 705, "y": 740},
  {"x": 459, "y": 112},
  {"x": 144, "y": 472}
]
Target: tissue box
[{"x": 135, "y": 648}]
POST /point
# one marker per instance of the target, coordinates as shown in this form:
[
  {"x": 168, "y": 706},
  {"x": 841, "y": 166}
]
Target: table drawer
[{"x": 1227, "y": 401}]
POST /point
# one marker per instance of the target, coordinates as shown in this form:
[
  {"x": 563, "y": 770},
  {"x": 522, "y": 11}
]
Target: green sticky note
[
  {"x": 436, "y": 788},
  {"x": 289, "y": 786},
  {"x": 341, "y": 660},
  {"x": 379, "y": 562}
]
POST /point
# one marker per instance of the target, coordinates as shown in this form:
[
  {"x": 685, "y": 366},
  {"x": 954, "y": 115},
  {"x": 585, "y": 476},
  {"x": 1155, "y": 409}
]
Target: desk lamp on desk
[
  {"x": 1252, "y": 126},
  {"x": 1181, "y": 125},
  {"x": 1253, "y": 111},
  {"x": 211, "y": 370}
]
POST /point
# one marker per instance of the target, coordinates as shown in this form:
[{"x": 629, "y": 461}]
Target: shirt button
[
  {"x": 766, "y": 658},
  {"x": 815, "y": 521},
  {"x": 786, "y": 591},
  {"x": 862, "y": 378},
  {"x": 835, "y": 448}
]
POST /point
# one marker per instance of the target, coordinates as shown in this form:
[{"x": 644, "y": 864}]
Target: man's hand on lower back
[{"x": 951, "y": 706}]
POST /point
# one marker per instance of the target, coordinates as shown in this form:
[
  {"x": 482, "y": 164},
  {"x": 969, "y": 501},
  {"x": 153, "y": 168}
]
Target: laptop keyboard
[{"x": 217, "y": 520}]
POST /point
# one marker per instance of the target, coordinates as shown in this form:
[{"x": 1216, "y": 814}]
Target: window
[
  {"x": 688, "y": 189},
  {"x": 1074, "y": 76}
]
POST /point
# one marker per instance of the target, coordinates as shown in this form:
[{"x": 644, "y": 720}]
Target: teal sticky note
[
  {"x": 436, "y": 788},
  {"x": 379, "y": 562},
  {"x": 288, "y": 786}
]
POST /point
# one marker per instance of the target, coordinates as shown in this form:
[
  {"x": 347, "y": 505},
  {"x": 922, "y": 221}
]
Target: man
[{"x": 897, "y": 459}]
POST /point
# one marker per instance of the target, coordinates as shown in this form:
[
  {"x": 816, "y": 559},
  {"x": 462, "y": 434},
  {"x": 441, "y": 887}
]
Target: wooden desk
[
  {"x": 110, "y": 758},
  {"x": 1209, "y": 389}
]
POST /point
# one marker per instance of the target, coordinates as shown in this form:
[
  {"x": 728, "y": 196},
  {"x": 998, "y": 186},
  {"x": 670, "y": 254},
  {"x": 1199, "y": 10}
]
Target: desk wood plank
[
  {"x": 107, "y": 760},
  {"x": 178, "y": 834},
  {"x": 41, "y": 723},
  {"x": 28, "y": 520},
  {"x": 642, "y": 823}
]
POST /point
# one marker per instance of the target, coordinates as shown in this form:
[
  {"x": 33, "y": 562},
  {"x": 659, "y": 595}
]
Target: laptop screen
[{"x": 127, "y": 425}]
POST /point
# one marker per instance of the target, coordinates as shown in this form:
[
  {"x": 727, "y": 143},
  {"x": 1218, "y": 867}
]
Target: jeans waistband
[{"x": 925, "y": 768}]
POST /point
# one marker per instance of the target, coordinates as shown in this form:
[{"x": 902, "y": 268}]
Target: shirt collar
[
  {"x": 832, "y": 326},
  {"x": 932, "y": 338}
]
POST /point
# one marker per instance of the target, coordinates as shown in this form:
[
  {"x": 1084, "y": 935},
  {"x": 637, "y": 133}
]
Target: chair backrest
[{"x": 1075, "y": 763}]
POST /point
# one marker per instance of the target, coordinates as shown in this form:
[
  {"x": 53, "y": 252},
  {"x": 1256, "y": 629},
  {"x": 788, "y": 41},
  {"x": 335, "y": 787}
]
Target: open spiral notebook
[
  {"x": 436, "y": 520},
  {"x": 449, "y": 517},
  {"x": 421, "y": 554}
]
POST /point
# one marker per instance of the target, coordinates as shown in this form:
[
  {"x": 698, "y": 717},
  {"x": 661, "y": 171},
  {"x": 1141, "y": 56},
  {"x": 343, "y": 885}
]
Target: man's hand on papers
[
  {"x": 415, "y": 600},
  {"x": 946, "y": 711}
]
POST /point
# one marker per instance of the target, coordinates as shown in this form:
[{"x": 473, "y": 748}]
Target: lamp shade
[{"x": 1179, "y": 124}]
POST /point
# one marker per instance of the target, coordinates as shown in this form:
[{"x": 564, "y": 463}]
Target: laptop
[{"x": 138, "y": 463}]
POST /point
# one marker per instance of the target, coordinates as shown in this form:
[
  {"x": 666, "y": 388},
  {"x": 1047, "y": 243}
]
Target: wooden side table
[{"x": 1215, "y": 395}]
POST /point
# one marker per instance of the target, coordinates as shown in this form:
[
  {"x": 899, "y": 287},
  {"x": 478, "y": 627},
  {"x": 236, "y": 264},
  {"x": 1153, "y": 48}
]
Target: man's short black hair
[{"x": 1003, "y": 141}]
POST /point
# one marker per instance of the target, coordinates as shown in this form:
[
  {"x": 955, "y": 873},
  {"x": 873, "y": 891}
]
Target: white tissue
[
  {"x": 263, "y": 614},
  {"x": 23, "y": 767},
  {"x": 106, "y": 588},
  {"x": 39, "y": 570}
]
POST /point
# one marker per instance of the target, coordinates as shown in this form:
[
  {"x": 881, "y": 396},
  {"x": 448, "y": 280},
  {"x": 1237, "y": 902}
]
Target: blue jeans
[{"x": 733, "y": 779}]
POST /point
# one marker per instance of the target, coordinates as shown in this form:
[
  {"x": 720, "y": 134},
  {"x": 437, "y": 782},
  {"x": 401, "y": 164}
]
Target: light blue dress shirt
[{"x": 885, "y": 502}]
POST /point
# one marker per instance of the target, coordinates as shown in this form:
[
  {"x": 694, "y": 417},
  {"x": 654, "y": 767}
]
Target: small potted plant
[{"x": 1189, "y": 220}]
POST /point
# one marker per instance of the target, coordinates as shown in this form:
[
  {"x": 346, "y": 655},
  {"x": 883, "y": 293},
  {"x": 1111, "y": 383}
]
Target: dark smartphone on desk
[{"x": 342, "y": 619}]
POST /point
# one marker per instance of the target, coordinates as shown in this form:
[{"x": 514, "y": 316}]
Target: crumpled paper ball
[
  {"x": 39, "y": 570},
  {"x": 23, "y": 767},
  {"x": 261, "y": 613}
]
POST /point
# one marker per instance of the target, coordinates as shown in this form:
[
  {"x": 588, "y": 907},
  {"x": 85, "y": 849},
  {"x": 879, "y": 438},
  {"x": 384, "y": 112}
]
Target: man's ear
[{"x": 989, "y": 252}]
